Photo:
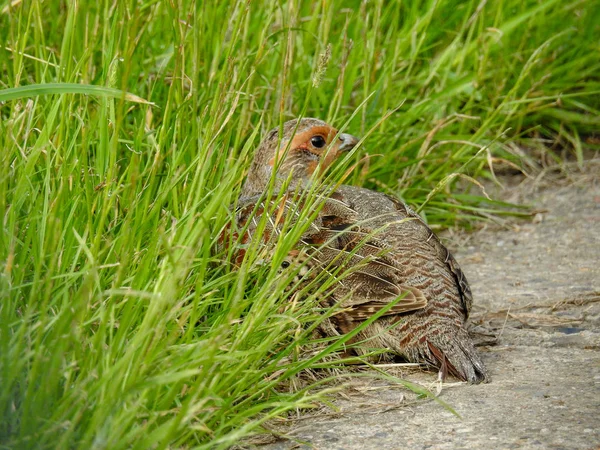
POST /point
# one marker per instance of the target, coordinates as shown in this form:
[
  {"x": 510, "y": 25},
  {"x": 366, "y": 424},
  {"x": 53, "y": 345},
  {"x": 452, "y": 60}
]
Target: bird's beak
[{"x": 347, "y": 142}]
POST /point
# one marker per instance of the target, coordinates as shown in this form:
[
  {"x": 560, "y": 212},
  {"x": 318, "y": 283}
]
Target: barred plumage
[{"x": 388, "y": 252}]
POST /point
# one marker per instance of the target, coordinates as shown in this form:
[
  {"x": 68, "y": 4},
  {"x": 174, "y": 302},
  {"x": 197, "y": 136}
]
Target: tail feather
[
  {"x": 458, "y": 355},
  {"x": 442, "y": 345}
]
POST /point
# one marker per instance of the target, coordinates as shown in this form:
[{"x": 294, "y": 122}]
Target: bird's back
[
  {"x": 392, "y": 256},
  {"x": 414, "y": 246},
  {"x": 435, "y": 333}
]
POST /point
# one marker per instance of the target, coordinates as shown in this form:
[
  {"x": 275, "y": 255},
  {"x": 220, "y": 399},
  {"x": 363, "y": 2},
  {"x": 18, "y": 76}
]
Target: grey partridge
[{"x": 385, "y": 251}]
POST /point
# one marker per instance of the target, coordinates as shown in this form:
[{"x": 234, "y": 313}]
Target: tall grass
[{"x": 120, "y": 325}]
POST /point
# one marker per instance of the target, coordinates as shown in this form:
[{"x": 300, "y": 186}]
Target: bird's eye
[
  {"x": 318, "y": 141},
  {"x": 285, "y": 264}
]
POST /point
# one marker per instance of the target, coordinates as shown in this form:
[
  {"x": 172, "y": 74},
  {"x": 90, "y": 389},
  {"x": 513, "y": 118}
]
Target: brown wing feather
[
  {"x": 371, "y": 280},
  {"x": 459, "y": 276},
  {"x": 341, "y": 243},
  {"x": 412, "y": 299}
]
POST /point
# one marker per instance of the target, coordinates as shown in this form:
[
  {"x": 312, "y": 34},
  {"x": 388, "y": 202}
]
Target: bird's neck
[{"x": 256, "y": 182}]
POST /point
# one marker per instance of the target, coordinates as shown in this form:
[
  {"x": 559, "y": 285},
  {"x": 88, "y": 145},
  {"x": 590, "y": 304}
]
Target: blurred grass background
[{"x": 119, "y": 325}]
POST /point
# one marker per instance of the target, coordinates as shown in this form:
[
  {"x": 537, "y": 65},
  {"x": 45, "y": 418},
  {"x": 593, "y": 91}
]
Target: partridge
[{"x": 383, "y": 250}]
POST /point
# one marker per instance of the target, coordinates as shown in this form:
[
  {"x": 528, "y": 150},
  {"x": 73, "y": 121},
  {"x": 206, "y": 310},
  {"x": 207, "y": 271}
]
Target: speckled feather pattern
[
  {"x": 426, "y": 264},
  {"x": 391, "y": 256}
]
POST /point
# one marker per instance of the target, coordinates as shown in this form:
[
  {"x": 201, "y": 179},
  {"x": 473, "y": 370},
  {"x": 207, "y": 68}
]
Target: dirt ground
[{"x": 536, "y": 286}]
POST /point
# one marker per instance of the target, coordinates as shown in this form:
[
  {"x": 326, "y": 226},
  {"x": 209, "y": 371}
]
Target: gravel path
[{"x": 537, "y": 290}]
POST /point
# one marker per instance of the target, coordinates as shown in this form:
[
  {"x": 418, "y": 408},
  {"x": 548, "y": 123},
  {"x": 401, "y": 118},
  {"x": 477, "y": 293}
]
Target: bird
[{"x": 383, "y": 257}]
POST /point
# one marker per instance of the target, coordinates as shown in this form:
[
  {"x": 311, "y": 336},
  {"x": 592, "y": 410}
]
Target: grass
[{"x": 121, "y": 326}]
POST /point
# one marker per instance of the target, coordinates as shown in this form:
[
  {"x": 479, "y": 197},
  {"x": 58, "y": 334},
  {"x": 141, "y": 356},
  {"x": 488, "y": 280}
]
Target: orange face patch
[
  {"x": 312, "y": 166},
  {"x": 302, "y": 141}
]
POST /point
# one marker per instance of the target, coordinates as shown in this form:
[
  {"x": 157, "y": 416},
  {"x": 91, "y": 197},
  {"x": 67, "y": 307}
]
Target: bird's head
[{"x": 306, "y": 145}]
